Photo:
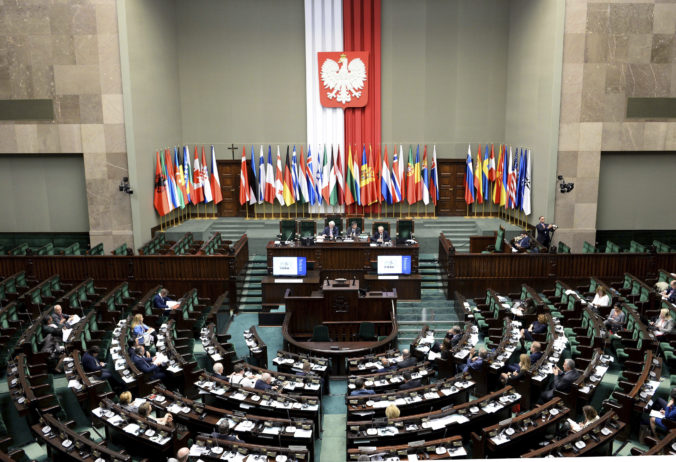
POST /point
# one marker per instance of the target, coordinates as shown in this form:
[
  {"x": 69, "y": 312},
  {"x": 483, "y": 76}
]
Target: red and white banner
[{"x": 343, "y": 78}]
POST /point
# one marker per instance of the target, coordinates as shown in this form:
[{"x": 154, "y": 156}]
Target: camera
[
  {"x": 125, "y": 186},
  {"x": 563, "y": 186}
]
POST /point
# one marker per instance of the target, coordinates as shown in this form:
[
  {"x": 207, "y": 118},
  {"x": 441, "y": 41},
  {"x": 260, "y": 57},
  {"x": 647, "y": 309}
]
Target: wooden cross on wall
[{"x": 233, "y": 148}]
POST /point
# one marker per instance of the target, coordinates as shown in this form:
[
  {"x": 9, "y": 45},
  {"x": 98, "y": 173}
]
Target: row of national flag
[
  {"x": 180, "y": 182},
  {"x": 326, "y": 176},
  {"x": 506, "y": 183}
]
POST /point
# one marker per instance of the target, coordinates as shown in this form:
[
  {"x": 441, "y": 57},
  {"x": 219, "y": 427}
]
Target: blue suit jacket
[
  {"x": 90, "y": 363},
  {"x": 363, "y": 391},
  {"x": 260, "y": 385},
  {"x": 144, "y": 365},
  {"x": 535, "y": 357},
  {"x": 159, "y": 302},
  {"x": 376, "y": 236}
]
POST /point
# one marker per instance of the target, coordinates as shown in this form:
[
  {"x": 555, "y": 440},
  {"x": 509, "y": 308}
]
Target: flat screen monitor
[
  {"x": 394, "y": 264},
  {"x": 289, "y": 266}
]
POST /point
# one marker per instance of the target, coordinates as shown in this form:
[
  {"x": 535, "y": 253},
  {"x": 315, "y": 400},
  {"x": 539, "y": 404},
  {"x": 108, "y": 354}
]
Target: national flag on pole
[
  {"x": 418, "y": 176},
  {"x": 243, "y": 180},
  {"x": 385, "y": 186},
  {"x": 364, "y": 193},
  {"x": 294, "y": 174},
  {"x": 319, "y": 176},
  {"x": 469, "y": 178},
  {"x": 522, "y": 177},
  {"x": 491, "y": 165},
  {"x": 251, "y": 172},
  {"x": 171, "y": 180},
  {"x": 205, "y": 176},
  {"x": 197, "y": 180},
  {"x": 478, "y": 183},
  {"x": 160, "y": 198},
  {"x": 340, "y": 177},
  {"x": 167, "y": 182},
  {"x": 279, "y": 179},
  {"x": 425, "y": 183},
  {"x": 187, "y": 174},
  {"x": 253, "y": 185},
  {"x": 333, "y": 180},
  {"x": 410, "y": 178},
  {"x": 484, "y": 176},
  {"x": 310, "y": 178},
  {"x": 270, "y": 191},
  {"x": 511, "y": 185},
  {"x": 287, "y": 186},
  {"x": 505, "y": 178},
  {"x": 395, "y": 181},
  {"x": 215, "y": 182},
  {"x": 350, "y": 189},
  {"x": 434, "y": 178},
  {"x": 304, "y": 197},
  {"x": 497, "y": 187},
  {"x": 180, "y": 180},
  {"x": 326, "y": 175},
  {"x": 401, "y": 175},
  {"x": 526, "y": 189},
  {"x": 376, "y": 174},
  {"x": 261, "y": 176}
]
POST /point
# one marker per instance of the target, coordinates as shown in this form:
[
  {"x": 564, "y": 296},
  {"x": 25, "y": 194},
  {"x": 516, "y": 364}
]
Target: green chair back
[
  {"x": 588, "y": 248},
  {"x": 384, "y": 224},
  {"x": 308, "y": 228},
  {"x": 563, "y": 248},
  {"x": 367, "y": 331},
  {"x": 320, "y": 333},
  {"x": 287, "y": 229},
  {"x": 405, "y": 229}
]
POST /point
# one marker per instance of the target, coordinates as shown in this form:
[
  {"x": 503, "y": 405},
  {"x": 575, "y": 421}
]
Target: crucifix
[{"x": 233, "y": 148}]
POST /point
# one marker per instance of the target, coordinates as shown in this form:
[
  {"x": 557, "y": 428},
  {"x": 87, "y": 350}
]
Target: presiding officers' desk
[{"x": 349, "y": 260}]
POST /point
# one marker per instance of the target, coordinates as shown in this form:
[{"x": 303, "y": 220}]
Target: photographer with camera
[{"x": 545, "y": 231}]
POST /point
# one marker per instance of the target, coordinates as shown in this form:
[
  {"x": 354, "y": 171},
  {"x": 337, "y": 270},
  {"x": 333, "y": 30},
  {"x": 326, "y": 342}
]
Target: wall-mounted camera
[
  {"x": 125, "y": 186},
  {"x": 563, "y": 186}
]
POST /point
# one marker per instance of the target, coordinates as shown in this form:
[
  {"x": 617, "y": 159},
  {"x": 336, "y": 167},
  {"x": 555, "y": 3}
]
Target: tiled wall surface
[
  {"x": 611, "y": 51},
  {"x": 68, "y": 51}
]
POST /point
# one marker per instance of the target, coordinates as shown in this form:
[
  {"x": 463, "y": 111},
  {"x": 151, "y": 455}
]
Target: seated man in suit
[
  {"x": 406, "y": 360},
  {"x": 387, "y": 366},
  {"x": 49, "y": 326},
  {"x": 563, "y": 380},
  {"x": 409, "y": 382},
  {"x": 146, "y": 365},
  {"x": 218, "y": 371},
  {"x": 354, "y": 231},
  {"x": 475, "y": 361},
  {"x": 454, "y": 334},
  {"x": 238, "y": 377},
  {"x": 535, "y": 355},
  {"x": 381, "y": 236},
  {"x": 60, "y": 319},
  {"x": 331, "y": 231},
  {"x": 360, "y": 390},
  {"x": 160, "y": 301},
  {"x": 223, "y": 433},
  {"x": 264, "y": 383},
  {"x": 522, "y": 242},
  {"x": 91, "y": 363}
]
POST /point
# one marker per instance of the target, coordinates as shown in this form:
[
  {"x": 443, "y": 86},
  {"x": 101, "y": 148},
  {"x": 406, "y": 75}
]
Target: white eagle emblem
[{"x": 343, "y": 80}]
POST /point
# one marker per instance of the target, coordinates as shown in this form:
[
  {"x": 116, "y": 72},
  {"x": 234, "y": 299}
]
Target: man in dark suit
[
  {"x": 544, "y": 231},
  {"x": 160, "y": 300},
  {"x": 90, "y": 363},
  {"x": 454, "y": 334},
  {"x": 360, "y": 390},
  {"x": 409, "y": 382},
  {"x": 146, "y": 365},
  {"x": 387, "y": 366},
  {"x": 381, "y": 236},
  {"x": 60, "y": 319},
  {"x": 264, "y": 383},
  {"x": 354, "y": 231},
  {"x": 331, "y": 231},
  {"x": 535, "y": 352},
  {"x": 522, "y": 242},
  {"x": 563, "y": 380},
  {"x": 406, "y": 360},
  {"x": 218, "y": 371},
  {"x": 223, "y": 433}
]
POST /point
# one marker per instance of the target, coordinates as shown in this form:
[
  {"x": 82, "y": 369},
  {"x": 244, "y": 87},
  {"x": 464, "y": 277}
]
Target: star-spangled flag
[{"x": 261, "y": 176}]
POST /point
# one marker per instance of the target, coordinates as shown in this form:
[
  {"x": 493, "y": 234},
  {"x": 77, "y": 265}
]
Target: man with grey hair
[
  {"x": 563, "y": 380},
  {"x": 218, "y": 371},
  {"x": 381, "y": 236},
  {"x": 182, "y": 455},
  {"x": 331, "y": 231},
  {"x": 264, "y": 383}
]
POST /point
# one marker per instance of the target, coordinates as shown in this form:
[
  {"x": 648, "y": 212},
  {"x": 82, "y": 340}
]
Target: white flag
[{"x": 526, "y": 189}]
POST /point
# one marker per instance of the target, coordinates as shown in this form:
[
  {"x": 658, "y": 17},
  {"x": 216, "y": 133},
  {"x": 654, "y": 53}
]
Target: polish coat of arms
[{"x": 343, "y": 78}]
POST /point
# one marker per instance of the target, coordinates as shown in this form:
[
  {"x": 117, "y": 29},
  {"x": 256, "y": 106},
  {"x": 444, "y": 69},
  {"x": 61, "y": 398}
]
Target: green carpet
[{"x": 333, "y": 442}]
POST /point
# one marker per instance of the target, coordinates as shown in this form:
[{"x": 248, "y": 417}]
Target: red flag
[
  {"x": 215, "y": 182},
  {"x": 198, "y": 195},
  {"x": 160, "y": 196},
  {"x": 243, "y": 180},
  {"x": 376, "y": 173}
]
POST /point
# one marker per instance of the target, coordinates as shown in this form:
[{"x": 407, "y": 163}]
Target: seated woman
[
  {"x": 615, "y": 320},
  {"x": 664, "y": 324},
  {"x": 145, "y": 335},
  {"x": 668, "y": 411},
  {"x": 515, "y": 373},
  {"x": 126, "y": 400},
  {"x": 392, "y": 412},
  {"x": 538, "y": 327},
  {"x": 145, "y": 410},
  {"x": 601, "y": 298},
  {"x": 590, "y": 416}
]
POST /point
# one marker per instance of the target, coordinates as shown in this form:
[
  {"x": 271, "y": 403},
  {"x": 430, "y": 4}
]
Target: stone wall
[
  {"x": 611, "y": 51},
  {"x": 68, "y": 51}
]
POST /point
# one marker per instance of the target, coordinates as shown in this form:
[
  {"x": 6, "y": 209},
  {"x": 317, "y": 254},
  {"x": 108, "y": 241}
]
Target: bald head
[{"x": 182, "y": 454}]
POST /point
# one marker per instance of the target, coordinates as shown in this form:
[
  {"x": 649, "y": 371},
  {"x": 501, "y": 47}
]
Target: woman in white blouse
[{"x": 601, "y": 299}]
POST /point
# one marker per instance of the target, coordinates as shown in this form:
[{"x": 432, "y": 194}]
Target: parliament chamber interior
[{"x": 337, "y": 230}]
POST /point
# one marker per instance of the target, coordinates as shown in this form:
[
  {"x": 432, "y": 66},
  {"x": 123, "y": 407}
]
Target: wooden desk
[
  {"x": 406, "y": 285},
  {"x": 342, "y": 259},
  {"x": 275, "y": 287}
]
